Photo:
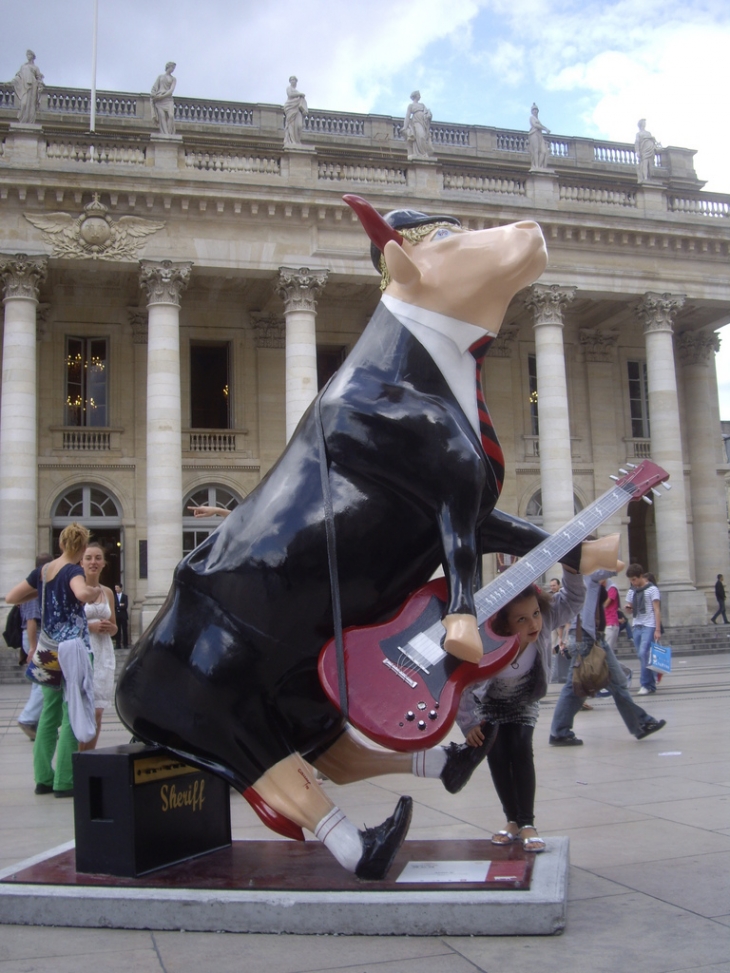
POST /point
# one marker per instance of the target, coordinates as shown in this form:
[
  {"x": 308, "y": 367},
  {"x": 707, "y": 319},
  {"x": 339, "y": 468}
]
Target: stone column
[
  {"x": 696, "y": 352},
  {"x": 298, "y": 289},
  {"x": 163, "y": 281},
  {"x": 556, "y": 469},
  {"x": 21, "y": 276},
  {"x": 681, "y": 603},
  {"x": 270, "y": 341}
]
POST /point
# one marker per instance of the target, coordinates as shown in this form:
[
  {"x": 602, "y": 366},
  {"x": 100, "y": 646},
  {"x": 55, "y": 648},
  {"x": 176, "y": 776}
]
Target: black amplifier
[{"x": 139, "y": 808}]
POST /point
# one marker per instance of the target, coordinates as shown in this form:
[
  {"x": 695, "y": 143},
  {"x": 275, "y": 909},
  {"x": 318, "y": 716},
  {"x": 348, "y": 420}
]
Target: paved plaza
[{"x": 649, "y": 829}]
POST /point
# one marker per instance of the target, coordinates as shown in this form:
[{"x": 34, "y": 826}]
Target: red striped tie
[{"x": 490, "y": 443}]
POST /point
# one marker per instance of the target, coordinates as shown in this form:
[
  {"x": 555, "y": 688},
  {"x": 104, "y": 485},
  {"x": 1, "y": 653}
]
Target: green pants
[{"x": 54, "y": 735}]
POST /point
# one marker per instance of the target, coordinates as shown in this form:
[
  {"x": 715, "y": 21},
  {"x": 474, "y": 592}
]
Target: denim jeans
[
  {"x": 643, "y": 637},
  {"x": 32, "y": 709},
  {"x": 569, "y": 703}
]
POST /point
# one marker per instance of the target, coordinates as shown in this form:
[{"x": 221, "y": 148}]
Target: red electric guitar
[{"x": 403, "y": 689}]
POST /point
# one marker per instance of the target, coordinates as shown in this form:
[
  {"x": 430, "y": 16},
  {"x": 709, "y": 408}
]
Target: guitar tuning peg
[
  {"x": 621, "y": 470},
  {"x": 657, "y": 493},
  {"x": 667, "y": 486},
  {"x": 647, "y": 500},
  {"x": 612, "y": 477},
  {"x": 632, "y": 466}
]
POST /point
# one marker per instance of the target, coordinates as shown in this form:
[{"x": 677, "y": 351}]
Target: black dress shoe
[
  {"x": 651, "y": 726},
  {"x": 43, "y": 789},
  {"x": 68, "y": 793},
  {"x": 461, "y": 762},
  {"x": 380, "y": 845},
  {"x": 572, "y": 741}
]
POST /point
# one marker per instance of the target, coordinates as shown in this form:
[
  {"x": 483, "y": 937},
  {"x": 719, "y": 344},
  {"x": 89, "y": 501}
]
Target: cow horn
[{"x": 375, "y": 226}]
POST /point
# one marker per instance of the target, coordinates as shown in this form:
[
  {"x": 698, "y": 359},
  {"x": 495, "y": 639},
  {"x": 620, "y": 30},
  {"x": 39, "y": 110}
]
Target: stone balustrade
[
  {"x": 472, "y": 182},
  {"x": 232, "y": 162},
  {"x": 376, "y": 175},
  {"x": 696, "y": 206},
  {"x": 599, "y": 195},
  {"x": 213, "y": 112},
  {"x": 511, "y": 142},
  {"x": 323, "y": 123},
  {"x": 97, "y": 151}
]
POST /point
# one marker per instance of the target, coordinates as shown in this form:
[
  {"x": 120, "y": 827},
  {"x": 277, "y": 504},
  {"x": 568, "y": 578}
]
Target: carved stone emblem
[{"x": 94, "y": 235}]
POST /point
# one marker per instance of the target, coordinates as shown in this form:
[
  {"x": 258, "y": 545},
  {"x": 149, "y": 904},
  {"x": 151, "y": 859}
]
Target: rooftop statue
[
  {"x": 645, "y": 146},
  {"x": 537, "y": 143},
  {"x": 295, "y": 108},
  {"x": 417, "y": 129},
  {"x": 28, "y": 85},
  {"x": 163, "y": 103}
]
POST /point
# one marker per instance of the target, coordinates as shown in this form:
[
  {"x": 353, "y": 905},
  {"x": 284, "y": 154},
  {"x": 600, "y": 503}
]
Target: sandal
[
  {"x": 533, "y": 842},
  {"x": 507, "y": 836}
]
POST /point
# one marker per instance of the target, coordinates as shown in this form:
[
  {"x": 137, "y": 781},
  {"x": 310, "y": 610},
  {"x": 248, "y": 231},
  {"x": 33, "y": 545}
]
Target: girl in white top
[{"x": 101, "y": 618}]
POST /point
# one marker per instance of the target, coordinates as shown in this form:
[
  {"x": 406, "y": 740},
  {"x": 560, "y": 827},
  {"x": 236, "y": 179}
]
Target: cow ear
[{"x": 400, "y": 266}]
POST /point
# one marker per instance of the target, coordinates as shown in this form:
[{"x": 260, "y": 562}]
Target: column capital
[
  {"x": 598, "y": 344},
  {"x": 164, "y": 280},
  {"x": 269, "y": 330},
  {"x": 547, "y": 302},
  {"x": 697, "y": 347},
  {"x": 22, "y": 275},
  {"x": 657, "y": 311},
  {"x": 299, "y": 288}
]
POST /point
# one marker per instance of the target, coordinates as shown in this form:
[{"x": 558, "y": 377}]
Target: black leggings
[{"x": 513, "y": 771}]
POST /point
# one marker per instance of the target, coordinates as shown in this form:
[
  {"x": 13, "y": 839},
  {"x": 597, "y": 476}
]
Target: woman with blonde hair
[
  {"x": 63, "y": 591},
  {"x": 102, "y": 622}
]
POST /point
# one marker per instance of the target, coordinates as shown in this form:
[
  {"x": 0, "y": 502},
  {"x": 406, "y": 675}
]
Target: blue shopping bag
[{"x": 660, "y": 657}]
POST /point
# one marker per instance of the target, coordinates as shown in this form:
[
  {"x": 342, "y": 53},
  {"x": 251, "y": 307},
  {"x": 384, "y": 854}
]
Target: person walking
[
  {"x": 643, "y": 600},
  {"x": 720, "y": 595},
  {"x": 121, "y": 609},
  {"x": 638, "y": 721},
  {"x": 64, "y": 592}
]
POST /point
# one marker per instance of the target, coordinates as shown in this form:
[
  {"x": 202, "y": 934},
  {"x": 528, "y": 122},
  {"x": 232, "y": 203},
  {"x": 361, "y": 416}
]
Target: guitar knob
[
  {"x": 410, "y": 715},
  {"x": 421, "y": 724},
  {"x": 432, "y": 715}
]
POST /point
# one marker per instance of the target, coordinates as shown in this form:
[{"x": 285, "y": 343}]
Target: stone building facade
[{"x": 171, "y": 304}]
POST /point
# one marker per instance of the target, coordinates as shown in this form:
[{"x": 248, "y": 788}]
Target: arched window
[
  {"x": 533, "y": 511},
  {"x": 98, "y": 510},
  {"x": 196, "y": 529}
]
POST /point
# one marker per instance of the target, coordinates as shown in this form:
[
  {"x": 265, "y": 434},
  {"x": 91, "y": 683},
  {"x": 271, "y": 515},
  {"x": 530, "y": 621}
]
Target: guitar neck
[{"x": 528, "y": 569}]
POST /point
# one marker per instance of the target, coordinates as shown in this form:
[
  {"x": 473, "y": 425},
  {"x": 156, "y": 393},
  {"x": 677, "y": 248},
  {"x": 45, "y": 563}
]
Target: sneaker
[
  {"x": 651, "y": 726},
  {"x": 28, "y": 728},
  {"x": 646, "y": 692},
  {"x": 43, "y": 789},
  {"x": 571, "y": 741}
]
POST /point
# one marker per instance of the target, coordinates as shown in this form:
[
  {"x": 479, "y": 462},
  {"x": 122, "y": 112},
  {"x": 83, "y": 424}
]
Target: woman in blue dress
[{"x": 66, "y": 592}]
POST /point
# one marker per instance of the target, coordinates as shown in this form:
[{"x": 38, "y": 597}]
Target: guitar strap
[{"x": 329, "y": 523}]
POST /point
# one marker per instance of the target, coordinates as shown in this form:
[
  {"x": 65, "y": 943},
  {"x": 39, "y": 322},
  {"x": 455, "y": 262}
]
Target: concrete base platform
[{"x": 289, "y": 887}]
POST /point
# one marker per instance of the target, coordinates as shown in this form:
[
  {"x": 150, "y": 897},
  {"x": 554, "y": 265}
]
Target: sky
[{"x": 593, "y": 68}]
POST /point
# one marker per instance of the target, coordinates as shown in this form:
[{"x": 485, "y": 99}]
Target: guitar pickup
[{"x": 399, "y": 672}]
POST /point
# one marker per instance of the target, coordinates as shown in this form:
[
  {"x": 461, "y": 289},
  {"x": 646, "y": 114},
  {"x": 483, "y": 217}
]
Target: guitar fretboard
[{"x": 425, "y": 649}]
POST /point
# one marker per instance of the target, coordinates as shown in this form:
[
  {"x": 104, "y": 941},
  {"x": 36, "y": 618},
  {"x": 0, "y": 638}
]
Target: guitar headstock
[{"x": 641, "y": 479}]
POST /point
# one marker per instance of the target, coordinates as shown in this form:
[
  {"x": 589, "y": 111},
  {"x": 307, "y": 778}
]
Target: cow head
[{"x": 468, "y": 275}]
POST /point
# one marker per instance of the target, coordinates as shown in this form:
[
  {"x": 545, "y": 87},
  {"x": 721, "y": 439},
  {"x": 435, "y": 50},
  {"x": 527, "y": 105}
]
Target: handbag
[
  {"x": 44, "y": 667},
  {"x": 590, "y": 671},
  {"x": 660, "y": 657}
]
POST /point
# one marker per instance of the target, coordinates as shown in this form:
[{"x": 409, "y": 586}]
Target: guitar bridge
[{"x": 399, "y": 672}]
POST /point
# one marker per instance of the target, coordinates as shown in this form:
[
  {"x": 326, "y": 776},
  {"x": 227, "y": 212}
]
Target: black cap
[{"x": 407, "y": 219}]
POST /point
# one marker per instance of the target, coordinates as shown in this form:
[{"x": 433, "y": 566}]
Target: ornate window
[
  {"x": 532, "y": 387},
  {"x": 86, "y": 504},
  {"x": 196, "y": 529},
  {"x": 639, "y": 400},
  {"x": 210, "y": 390},
  {"x": 87, "y": 370}
]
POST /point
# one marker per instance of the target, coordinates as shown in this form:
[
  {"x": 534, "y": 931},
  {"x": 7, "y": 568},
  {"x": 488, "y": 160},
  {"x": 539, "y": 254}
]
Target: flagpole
[{"x": 92, "y": 121}]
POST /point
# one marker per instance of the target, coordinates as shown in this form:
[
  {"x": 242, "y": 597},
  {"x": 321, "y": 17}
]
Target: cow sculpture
[{"x": 226, "y": 676}]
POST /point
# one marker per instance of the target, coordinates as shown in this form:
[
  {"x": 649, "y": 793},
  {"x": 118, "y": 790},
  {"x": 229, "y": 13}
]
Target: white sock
[
  {"x": 340, "y": 836},
  {"x": 429, "y": 763}
]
